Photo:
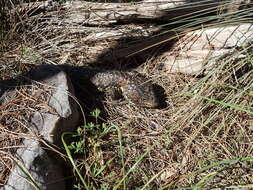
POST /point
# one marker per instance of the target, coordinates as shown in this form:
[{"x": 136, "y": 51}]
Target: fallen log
[
  {"x": 80, "y": 27},
  {"x": 96, "y": 13}
]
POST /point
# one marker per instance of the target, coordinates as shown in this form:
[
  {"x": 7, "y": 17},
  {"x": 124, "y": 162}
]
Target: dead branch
[{"x": 82, "y": 12}]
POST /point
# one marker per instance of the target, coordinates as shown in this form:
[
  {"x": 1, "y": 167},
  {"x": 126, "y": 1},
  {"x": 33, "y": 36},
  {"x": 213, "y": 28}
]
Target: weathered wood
[
  {"x": 82, "y": 12},
  {"x": 80, "y": 26},
  {"x": 199, "y": 50}
]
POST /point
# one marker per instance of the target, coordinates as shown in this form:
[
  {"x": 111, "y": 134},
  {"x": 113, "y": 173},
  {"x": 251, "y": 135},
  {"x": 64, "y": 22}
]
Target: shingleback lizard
[{"x": 133, "y": 86}]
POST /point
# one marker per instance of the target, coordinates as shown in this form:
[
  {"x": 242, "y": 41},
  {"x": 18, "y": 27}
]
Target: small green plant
[
  {"x": 91, "y": 132},
  {"x": 96, "y": 114},
  {"x": 93, "y": 170}
]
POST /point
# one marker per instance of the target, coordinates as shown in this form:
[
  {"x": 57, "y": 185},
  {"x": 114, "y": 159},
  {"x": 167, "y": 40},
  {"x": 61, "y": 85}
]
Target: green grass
[{"x": 95, "y": 132}]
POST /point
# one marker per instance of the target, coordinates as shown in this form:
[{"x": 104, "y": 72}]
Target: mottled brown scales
[{"x": 134, "y": 87}]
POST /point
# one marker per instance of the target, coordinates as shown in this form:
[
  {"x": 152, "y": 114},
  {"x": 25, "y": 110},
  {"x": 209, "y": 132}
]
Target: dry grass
[
  {"x": 190, "y": 134},
  {"x": 202, "y": 139},
  {"x": 16, "y": 111}
]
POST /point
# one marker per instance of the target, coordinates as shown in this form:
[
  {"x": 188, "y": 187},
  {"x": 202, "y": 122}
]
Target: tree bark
[
  {"x": 82, "y": 12},
  {"x": 64, "y": 29}
]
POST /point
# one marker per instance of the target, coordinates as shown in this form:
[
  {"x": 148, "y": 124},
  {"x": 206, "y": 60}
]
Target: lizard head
[{"x": 143, "y": 95}]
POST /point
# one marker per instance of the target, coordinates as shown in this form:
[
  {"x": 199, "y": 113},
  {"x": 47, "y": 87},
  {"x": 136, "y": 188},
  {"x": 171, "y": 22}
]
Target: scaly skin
[{"x": 134, "y": 87}]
